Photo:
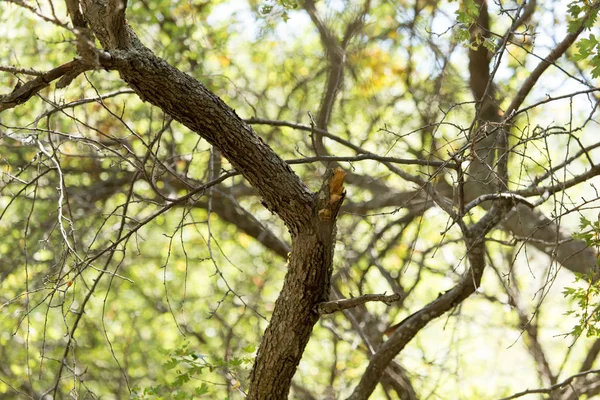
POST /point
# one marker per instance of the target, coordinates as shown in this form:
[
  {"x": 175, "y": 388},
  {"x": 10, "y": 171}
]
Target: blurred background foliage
[{"x": 148, "y": 280}]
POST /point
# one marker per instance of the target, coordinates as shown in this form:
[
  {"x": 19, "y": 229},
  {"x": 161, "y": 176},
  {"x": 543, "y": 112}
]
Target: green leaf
[
  {"x": 203, "y": 389},
  {"x": 172, "y": 363},
  {"x": 180, "y": 395},
  {"x": 181, "y": 379},
  {"x": 251, "y": 348}
]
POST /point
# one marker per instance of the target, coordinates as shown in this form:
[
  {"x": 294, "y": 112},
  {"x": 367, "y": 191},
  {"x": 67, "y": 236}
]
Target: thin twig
[
  {"x": 552, "y": 388},
  {"x": 330, "y": 307}
]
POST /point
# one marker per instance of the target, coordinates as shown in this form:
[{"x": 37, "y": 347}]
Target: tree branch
[
  {"x": 310, "y": 218},
  {"x": 552, "y": 388},
  {"x": 554, "y": 55},
  {"x": 182, "y": 96},
  {"x": 23, "y": 93},
  {"x": 408, "y": 328},
  {"x": 343, "y": 304}
]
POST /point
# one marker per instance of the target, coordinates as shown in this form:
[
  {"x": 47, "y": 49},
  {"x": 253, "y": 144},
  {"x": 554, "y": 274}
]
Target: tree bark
[{"x": 309, "y": 217}]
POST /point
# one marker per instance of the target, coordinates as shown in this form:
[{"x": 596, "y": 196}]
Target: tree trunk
[{"x": 309, "y": 217}]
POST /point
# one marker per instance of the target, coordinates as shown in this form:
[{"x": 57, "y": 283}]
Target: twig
[
  {"x": 17, "y": 70},
  {"x": 374, "y": 157},
  {"x": 497, "y": 196},
  {"x": 23, "y": 93},
  {"x": 330, "y": 307},
  {"x": 550, "y": 59},
  {"x": 552, "y": 388}
]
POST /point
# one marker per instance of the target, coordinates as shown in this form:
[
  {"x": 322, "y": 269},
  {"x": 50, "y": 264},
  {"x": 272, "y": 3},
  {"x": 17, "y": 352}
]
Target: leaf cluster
[
  {"x": 582, "y": 12},
  {"x": 588, "y": 50},
  {"x": 587, "y": 296},
  {"x": 279, "y": 7},
  {"x": 190, "y": 366}
]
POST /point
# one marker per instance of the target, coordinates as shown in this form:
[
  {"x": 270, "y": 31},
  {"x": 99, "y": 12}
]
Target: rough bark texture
[
  {"x": 192, "y": 104},
  {"x": 23, "y": 93},
  {"x": 310, "y": 218},
  {"x": 306, "y": 284}
]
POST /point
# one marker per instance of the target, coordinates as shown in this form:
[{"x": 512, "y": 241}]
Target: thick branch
[
  {"x": 23, "y": 93},
  {"x": 306, "y": 284},
  {"x": 479, "y": 59},
  {"x": 408, "y": 328},
  {"x": 311, "y": 219},
  {"x": 191, "y": 103}
]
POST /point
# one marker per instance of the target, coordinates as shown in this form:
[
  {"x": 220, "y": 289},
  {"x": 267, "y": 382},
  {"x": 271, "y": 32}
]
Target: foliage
[
  {"x": 583, "y": 13},
  {"x": 126, "y": 233},
  {"x": 189, "y": 368},
  {"x": 285, "y": 5},
  {"x": 588, "y": 50},
  {"x": 587, "y": 295}
]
